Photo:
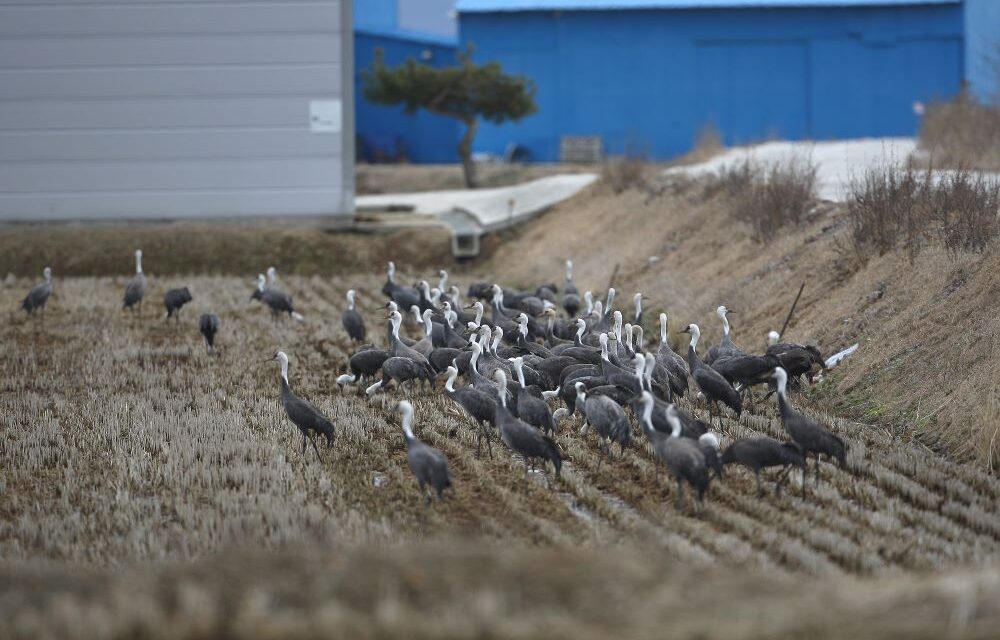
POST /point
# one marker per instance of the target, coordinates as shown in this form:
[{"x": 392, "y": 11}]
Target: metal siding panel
[
  {"x": 174, "y": 82},
  {"x": 108, "y": 20},
  {"x": 77, "y": 146},
  {"x": 107, "y": 51},
  {"x": 169, "y": 175},
  {"x": 204, "y": 113},
  {"x": 134, "y": 205},
  {"x": 134, "y": 114}
]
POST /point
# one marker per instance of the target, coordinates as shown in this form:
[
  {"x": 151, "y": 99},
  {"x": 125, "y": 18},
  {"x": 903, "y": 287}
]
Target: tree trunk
[{"x": 465, "y": 153}]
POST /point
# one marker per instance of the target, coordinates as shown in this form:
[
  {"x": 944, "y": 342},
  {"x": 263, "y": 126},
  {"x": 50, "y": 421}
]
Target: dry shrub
[
  {"x": 893, "y": 207},
  {"x": 962, "y": 133},
  {"x": 768, "y": 197},
  {"x": 624, "y": 173}
]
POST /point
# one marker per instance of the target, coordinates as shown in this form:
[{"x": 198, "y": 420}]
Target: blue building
[
  {"x": 651, "y": 74},
  {"x": 418, "y": 29}
]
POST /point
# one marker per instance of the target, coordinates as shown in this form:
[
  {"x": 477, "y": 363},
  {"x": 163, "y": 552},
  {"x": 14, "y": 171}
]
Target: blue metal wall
[
  {"x": 982, "y": 48},
  {"x": 650, "y": 80},
  {"x": 383, "y": 131}
]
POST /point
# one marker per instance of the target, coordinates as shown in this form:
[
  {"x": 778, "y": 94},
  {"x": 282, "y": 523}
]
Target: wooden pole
[{"x": 788, "y": 318}]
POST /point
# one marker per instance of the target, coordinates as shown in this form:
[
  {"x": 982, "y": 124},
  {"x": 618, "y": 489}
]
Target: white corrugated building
[{"x": 175, "y": 108}]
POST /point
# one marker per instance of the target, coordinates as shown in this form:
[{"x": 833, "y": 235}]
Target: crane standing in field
[
  {"x": 353, "y": 323},
  {"x": 39, "y": 295},
  {"x": 208, "y": 324},
  {"x": 429, "y": 466},
  {"x": 135, "y": 289},
  {"x": 709, "y": 381},
  {"x": 310, "y": 421}
]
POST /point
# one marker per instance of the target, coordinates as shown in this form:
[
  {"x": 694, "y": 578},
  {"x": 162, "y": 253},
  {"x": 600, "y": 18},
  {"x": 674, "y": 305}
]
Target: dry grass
[
  {"x": 962, "y": 134},
  {"x": 922, "y": 371},
  {"x": 223, "y": 247},
  {"x": 767, "y": 197},
  {"x": 460, "y": 590},
  {"x": 892, "y": 207}
]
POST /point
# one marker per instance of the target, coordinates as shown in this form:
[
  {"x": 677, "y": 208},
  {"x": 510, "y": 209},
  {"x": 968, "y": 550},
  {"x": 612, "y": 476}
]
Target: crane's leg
[
  {"x": 315, "y": 448},
  {"x": 816, "y": 479},
  {"x": 679, "y": 501},
  {"x": 760, "y": 489},
  {"x": 804, "y": 468},
  {"x": 303, "y": 444}
]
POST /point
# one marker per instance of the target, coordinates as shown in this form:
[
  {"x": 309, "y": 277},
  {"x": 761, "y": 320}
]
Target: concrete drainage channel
[{"x": 471, "y": 213}]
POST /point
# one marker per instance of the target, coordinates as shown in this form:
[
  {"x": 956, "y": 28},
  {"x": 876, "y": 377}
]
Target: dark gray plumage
[
  {"x": 761, "y": 452},
  {"x": 683, "y": 457},
  {"x": 480, "y": 406},
  {"x": 208, "y": 324},
  {"x": 531, "y": 408},
  {"x": 135, "y": 289},
  {"x": 401, "y": 370},
  {"x": 303, "y": 415},
  {"x": 605, "y": 416},
  {"x": 726, "y": 346},
  {"x": 521, "y": 437},
  {"x": 174, "y": 299},
  {"x": 39, "y": 294},
  {"x": 353, "y": 323},
  {"x": 745, "y": 369},
  {"x": 709, "y": 381},
  {"x": 429, "y": 466},
  {"x": 797, "y": 359},
  {"x": 811, "y": 436}
]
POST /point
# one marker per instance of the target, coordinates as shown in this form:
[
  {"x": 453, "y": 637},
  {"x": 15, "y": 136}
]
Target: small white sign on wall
[{"x": 325, "y": 116}]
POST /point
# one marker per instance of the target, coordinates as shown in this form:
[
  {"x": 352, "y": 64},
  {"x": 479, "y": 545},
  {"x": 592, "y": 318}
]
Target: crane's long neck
[
  {"x": 782, "y": 388},
  {"x": 284, "y": 372},
  {"x": 390, "y": 272},
  {"x": 628, "y": 338},
  {"x": 640, "y": 368},
  {"x": 497, "y": 336},
  {"x": 428, "y": 325},
  {"x": 443, "y": 281},
  {"x": 474, "y": 362},
  {"x": 519, "y": 369},
  {"x": 638, "y": 309},
  {"x": 675, "y": 425},
  {"x": 407, "y": 422},
  {"x": 138, "y": 263},
  {"x": 638, "y": 338},
  {"x": 663, "y": 328},
  {"x": 725, "y": 325},
  {"x": 581, "y": 397},
  {"x": 647, "y": 374},
  {"x": 569, "y": 271},
  {"x": 350, "y": 302},
  {"x": 450, "y": 384},
  {"x": 647, "y": 413},
  {"x": 479, "y": 313},
  {"x": 48, "y": 275},
  {"x": 394, "y": 322}
]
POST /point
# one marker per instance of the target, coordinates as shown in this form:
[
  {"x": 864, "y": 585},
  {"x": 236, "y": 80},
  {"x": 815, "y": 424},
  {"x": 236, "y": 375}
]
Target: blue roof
[
  {"x": 492, "y": 6},
  {"x": 420, "y": 37}
]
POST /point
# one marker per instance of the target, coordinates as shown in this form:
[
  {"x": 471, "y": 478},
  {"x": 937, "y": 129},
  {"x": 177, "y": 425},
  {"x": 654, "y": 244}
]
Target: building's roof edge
[
  {"x": 421, "y": 37},
  {"x": 508, "y": 6}
]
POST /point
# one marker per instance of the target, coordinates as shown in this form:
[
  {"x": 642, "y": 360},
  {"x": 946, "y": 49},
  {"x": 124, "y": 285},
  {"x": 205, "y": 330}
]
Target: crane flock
[{"x": 530, "y": 360}]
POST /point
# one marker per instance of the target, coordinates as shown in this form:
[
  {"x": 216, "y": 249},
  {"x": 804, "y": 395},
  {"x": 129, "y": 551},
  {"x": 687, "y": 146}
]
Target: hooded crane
[
  {"x": 303, "y": 415},
  {"x": 174, "y": 299},
  {"x": 405, "y": 297},
  {"x": 709, "y": 381},
  {"x": 521, "y": 437},
  {"x": 726, "y": 346},
  {"x": 277, "y": 301},
  {"x": 353, "y": 323},
  {"x": 135, "y": 289},
  {"x": 39, "y": 295},
  {"x": 208, "y": 324},
  {"x": 796, "y": 359},
  {"x": 761, "y": 452},
  {"x": 400, "y": 350},
  {"x": 682, "y": 456},
  {"x": 480, "y": 406},
  {"x": 531, "y": 407},
  {"x": 672, "y": 362},
  {"x": 401, "y": 370},
  {"x": 811, "y": 436},
  {"x": 429, "y": 466},
  {"x": 605, "y": 415}
]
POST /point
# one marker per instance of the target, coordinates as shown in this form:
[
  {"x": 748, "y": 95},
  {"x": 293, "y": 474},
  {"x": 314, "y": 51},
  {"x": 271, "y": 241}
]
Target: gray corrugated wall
[{"x": 173, "y": 108}]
